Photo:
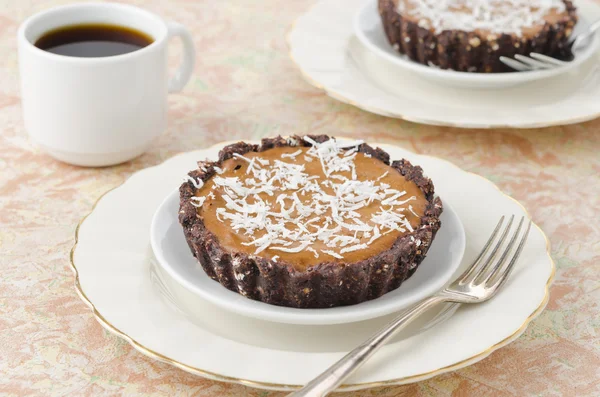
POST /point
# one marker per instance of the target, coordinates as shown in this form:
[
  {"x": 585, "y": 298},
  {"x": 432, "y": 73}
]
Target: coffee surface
[{"x": 93, "y": 40}]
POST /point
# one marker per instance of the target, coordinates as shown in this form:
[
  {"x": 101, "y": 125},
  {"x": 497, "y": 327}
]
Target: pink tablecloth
[{"x": 246, "y": 87}]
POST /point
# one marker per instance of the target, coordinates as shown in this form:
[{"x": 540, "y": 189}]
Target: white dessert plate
[
  {"x": 368, "y": 28},
  {"x": 174, "y": 257},
  {"x": 323, "y": 45},
  {"x": 116, "y": 277}
]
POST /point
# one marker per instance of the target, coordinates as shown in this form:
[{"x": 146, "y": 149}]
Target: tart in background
[{"x": 472, "y": 35}]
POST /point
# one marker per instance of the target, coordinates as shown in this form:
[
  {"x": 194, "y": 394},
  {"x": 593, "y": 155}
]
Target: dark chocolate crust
[
  {"x": 327, "y": 284},
  {"x": 468, "y": 51}
]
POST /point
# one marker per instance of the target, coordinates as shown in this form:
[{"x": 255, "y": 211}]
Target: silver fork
[
  {"x": 538, "y": 61},
  {"x": 480, "y": 282}
]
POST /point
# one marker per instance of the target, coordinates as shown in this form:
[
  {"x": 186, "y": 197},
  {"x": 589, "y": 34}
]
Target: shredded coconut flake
[
  {"x": 198, "y": 201},
  {"x": 354, "y": 248},
  {"x": 291, "y": 155},
  {"x": 332, "y": 253},
  {"x": 383, "y": 176},
  {"x": 410, "y": 208},
  {"x": 197, "y": 183}
]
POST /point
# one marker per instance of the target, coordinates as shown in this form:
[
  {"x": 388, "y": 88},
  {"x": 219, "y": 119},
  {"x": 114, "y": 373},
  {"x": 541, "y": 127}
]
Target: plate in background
[
  {"x": 331, "y": 58},
  {"x": 368, "y": 28}
]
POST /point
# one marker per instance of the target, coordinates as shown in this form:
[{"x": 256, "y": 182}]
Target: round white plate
[
  {"x": 174, "y": 257},
  {"x": 112, "y": 260},
  {"x": 323, "y": 46},
  {"x": 369, "y": 30}
]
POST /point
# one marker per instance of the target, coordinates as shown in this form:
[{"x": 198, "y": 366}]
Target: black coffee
[{"x": 93, "y": 40}]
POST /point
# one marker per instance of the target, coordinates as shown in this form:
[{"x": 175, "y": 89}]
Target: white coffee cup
[{"x": 105, "y": 110}]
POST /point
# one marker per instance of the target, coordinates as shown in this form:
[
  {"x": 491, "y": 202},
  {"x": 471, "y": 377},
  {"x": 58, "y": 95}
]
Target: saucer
[
  {"x": 369, "y": 30},
  {"x": 115, "y": 276},
  {"x": 174, "y": 257},
  {"x": 323, "y": 45}
]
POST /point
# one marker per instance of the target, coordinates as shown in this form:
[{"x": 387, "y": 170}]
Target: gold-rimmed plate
[{"x": 116, "y": 278}]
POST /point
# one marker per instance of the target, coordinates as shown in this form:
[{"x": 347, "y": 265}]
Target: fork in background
[{"x": 538, "y": 61}]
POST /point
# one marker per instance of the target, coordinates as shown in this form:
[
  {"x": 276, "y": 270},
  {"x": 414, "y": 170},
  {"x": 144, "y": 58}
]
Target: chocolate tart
[
  {"x": 429, "y": 32},
  {"x": 297, "y": 269}
]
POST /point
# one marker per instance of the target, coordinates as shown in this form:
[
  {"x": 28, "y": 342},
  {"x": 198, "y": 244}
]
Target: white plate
[
  {"x": 175, "y": 258},
  {"x": 330, "y": 57},
  {"x": 112, "y": 261},
  {"x": 369, "y": 30}
]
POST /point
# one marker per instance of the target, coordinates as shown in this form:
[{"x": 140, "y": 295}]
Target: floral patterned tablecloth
[{"x": 246, "y": 87}]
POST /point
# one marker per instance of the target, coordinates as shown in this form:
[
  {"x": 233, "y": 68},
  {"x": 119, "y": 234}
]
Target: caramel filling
[{"x": 307, "y": 206}]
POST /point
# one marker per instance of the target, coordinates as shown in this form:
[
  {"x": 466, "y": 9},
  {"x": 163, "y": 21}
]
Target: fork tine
[
  {"x": 516, "y": 65},
  {"x": 501, "y": 271},
  {"x": 547, "y": 59},
  {"x": 532, "y": 62},
  {"x": 488, "y": 275},
  {"x": 485, "y": 249},
  {"x": 504, "y": 274},
  {"x": 489, "y": 260}
]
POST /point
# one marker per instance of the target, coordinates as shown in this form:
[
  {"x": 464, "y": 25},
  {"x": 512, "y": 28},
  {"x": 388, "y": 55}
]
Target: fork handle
[{"x": 329, "y": 380}]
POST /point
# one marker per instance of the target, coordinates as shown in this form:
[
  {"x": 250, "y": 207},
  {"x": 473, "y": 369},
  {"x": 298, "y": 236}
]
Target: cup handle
[{"x": 184, "y": 72}]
